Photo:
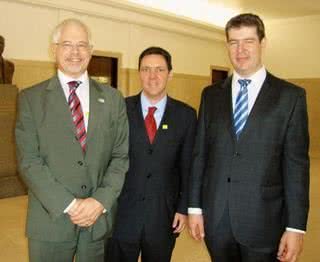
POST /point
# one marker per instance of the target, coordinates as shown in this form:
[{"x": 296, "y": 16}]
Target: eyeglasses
[
  {"x": 157, "y": 70},
  {"x": 81, "y": 46}
]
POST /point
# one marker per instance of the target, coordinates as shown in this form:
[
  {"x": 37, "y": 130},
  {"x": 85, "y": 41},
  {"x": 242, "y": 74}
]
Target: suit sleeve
[
  {"x": 53, "y": 196},
  {"x": 185, "y": 161},
  {"x": 296, "y": 166},
  {"x": 113, "y": 180},
  {"x": 198, "y": 158}
]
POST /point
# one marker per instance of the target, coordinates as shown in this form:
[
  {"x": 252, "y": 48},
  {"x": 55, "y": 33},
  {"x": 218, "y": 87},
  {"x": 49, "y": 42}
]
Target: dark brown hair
[
  {"x": 155, "y": 50},
  {"x": 249, "y": 20}
]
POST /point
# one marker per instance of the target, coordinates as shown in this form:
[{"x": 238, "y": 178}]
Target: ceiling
[
  {"x": 273, "y": 9},
  {"x": 218, "y": 12}
]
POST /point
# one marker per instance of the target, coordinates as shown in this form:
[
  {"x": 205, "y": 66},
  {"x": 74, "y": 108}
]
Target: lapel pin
[
  {"x": 164, "y": 126},
  {"x": 101, "y": 100}
]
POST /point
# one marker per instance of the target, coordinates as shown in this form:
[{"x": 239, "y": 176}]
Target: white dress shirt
[
  {"x": 82, "y": 92},
  {"x": 257, "y": 80}
]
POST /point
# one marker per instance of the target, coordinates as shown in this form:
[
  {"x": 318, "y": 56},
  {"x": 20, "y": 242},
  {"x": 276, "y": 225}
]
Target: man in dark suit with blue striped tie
[{"x": 249, "y": 196}]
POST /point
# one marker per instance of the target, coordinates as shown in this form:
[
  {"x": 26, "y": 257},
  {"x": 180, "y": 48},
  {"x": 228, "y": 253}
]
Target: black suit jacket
[
  {"x": 263, "y": 178},
  {"x": 156, "y": 185}
]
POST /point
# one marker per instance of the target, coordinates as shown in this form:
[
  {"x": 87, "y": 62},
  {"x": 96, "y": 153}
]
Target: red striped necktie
[{"x": 77, "y": 114}]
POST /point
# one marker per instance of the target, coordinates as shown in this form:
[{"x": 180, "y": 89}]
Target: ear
[
  {"x": 170, "y": 75},
  {"x": 264, "y": 43}
]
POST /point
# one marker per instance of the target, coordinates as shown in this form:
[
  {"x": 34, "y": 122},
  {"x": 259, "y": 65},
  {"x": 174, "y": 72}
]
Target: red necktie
[
  {"x": 77, "y": 114},
  {"x": 151, "y": 124}
]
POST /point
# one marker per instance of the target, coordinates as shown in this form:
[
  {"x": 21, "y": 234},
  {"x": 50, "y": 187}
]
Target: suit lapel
[
  {"x": 226, "y": 105},
  {"x": 56, "y": 104},
  {"x": 167, "y": 120},
  {"x": 261, "y": 106},
  {"x": 138, "y": 120},
  {"x": 96, "y": 104}
]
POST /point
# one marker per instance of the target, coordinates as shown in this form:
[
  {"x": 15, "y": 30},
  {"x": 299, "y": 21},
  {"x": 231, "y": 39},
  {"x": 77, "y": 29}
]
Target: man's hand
[
  {"x": 179, "y": 222},
  {"x": 196, "y": 228},
  {"x": 290, "y": 246},
  {"x": 85, "y": 212}
]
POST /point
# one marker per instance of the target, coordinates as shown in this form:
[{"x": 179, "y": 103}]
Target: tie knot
[
  {"x": 244, "y": 83},
  {"x": 73, "y": 85},
  {"x": 151, "y": 110}
]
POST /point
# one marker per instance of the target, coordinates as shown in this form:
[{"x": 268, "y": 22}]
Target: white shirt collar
[
  {"x": 64, "y": 79},
  {"x": 256, "y": 79},
  {"x": 145, "y": 104}
]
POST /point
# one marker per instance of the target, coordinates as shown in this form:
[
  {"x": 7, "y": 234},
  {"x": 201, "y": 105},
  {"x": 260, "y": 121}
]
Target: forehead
[
  {"x": 73, "y": 31},
  {"x": 242, "y": 32},
  {"x": 154, "y": 59}
]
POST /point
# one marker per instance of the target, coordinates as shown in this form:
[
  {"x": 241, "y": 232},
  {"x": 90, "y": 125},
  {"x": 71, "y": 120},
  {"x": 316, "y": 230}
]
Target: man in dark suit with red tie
[
  {"x": 250, "y": 176},
  {"x": 153, "y": 203}
]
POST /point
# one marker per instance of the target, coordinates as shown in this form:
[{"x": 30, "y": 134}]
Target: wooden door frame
[
  {"x": 221, "y": 68},
  {"x": 113, "y": 55}
]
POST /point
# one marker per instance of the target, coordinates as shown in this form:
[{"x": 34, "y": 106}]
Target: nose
[
  {"x": 152, "y": 73},
  {"x": 240, "y": 47},
  {"x": 75, "y": 49}
]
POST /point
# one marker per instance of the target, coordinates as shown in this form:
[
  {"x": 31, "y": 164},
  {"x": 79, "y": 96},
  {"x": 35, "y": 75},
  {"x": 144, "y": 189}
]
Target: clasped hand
[{"x": 85, "y": 212}]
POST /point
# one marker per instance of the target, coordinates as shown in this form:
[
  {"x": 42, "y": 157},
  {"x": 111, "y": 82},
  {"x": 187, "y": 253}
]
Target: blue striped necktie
[{"x": 240, "y": 114}]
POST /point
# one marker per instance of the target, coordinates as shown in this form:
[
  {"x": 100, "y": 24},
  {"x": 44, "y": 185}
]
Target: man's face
[
  {"x": 245, "y": 50},
  {"x": 73, "y": 52},
  {"x": 154, "y": 75}
]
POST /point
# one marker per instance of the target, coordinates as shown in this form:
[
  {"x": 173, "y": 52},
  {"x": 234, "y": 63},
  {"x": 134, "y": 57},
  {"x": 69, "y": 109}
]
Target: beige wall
[
  {"x": 27, "y": 29},
  {"x": 293, "y": 47},
  {"x": 312, "y": 87},
  {"x": 26, "y": 25}
]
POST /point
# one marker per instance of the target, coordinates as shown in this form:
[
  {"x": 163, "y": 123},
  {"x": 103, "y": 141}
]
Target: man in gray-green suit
[{"x": 72, "y": 146}]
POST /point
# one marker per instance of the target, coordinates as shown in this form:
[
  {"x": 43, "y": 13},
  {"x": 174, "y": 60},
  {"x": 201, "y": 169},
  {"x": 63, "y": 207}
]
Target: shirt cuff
[
  {"x": 194, "y": 211},
  {"x": 295, "y": 230},
  {"x": 69, "y": 206}
]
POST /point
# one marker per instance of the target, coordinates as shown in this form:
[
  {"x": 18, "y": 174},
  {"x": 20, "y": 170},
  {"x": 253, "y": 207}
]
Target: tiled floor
[{"x": 13, "y": 244}]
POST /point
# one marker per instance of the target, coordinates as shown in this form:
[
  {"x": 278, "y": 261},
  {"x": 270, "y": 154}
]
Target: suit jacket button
[
  {"x": 236, "y": 154},
  {"x": 229, "y": 179},
  {"x": 150, "y": 151},
  {"x": 143, "y": 198},
  {"x": 83, "y": 187},
  {"x": 149, "y": 175},
  {"x": 80, "y": 163}
]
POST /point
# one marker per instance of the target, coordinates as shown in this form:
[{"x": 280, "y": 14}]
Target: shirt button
[{"x": 80, "y": 163}]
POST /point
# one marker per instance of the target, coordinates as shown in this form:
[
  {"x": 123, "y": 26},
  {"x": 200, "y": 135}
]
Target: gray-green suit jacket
[{"x": 53, "y": 166}]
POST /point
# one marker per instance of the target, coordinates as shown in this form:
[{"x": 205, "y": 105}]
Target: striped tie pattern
[
  {"x": 77, "y": 114},
  {"x": 240, "y": 114}
]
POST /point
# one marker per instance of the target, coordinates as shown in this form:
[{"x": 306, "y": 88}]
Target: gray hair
[{"x": 58, "y": 29}]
